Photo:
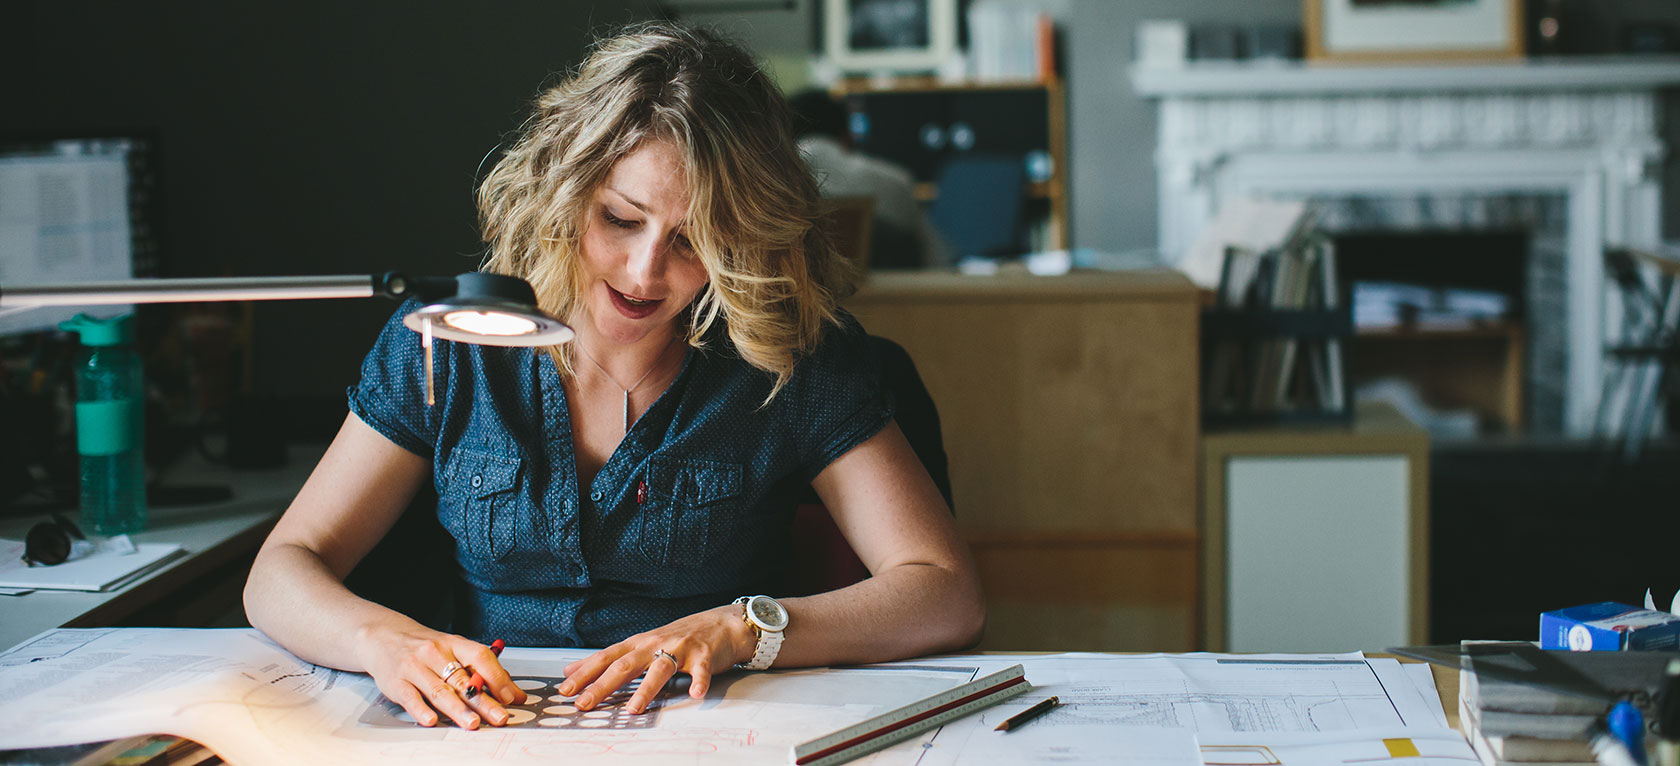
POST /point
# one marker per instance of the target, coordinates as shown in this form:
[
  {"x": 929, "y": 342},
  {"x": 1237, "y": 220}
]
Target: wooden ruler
[{"x": 912, "y": 719}]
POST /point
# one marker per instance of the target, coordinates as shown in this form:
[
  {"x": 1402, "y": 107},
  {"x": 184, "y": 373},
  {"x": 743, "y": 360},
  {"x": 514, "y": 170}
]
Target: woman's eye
[
  {"x": 683, "y": 245},
  {"x": 614, "y": 220}
]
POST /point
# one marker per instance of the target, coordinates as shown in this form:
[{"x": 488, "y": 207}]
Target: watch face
[{"x": 767, "y": 613}]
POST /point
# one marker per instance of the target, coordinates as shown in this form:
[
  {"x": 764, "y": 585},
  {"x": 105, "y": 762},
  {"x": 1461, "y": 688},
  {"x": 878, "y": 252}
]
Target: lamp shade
[{"x": 491, "y": 310}]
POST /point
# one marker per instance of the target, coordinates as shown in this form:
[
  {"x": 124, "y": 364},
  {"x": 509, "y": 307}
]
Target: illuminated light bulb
[{"x": 489, "y": 323}]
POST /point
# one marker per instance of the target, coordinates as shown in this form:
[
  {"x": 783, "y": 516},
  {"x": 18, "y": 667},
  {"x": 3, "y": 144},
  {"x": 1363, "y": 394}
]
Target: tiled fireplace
[{"x": 1568, "y": 151}]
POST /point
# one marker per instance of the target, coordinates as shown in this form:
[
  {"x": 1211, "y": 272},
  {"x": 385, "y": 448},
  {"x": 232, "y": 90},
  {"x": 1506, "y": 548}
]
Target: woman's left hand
[{"x": 700, "y": 645}]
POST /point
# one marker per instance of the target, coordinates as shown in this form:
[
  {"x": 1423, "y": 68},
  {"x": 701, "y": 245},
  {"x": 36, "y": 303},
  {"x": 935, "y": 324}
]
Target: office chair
[
  {"x": 981, "y": 204},
  {"x": 861, "y": 236},
  {"x": 850, "y": 221}
]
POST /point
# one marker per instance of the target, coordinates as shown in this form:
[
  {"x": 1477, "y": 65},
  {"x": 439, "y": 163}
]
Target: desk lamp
[{"x": 476, "y": 307}]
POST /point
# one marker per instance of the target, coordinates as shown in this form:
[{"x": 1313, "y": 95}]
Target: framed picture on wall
[
  {"x": 889, "y": 35},
  {"x": 1413, "y": 30}
]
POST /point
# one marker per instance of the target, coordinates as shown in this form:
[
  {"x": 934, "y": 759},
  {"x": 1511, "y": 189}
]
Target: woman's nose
[{"x": 647, "y": 257}]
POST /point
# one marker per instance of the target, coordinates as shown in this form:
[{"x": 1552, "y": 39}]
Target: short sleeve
[
  {"x": 836, "y": 399},
  {"x": 391, "y": 395}
]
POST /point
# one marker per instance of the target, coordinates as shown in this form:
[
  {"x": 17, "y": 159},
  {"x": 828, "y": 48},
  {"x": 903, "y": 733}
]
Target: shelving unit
[
  {"x": 1007, "y": 118},
  {"x": 1479, "y": 367}
]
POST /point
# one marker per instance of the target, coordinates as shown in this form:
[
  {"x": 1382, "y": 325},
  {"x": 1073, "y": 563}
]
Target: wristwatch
[{"x": 768, "y": 619}]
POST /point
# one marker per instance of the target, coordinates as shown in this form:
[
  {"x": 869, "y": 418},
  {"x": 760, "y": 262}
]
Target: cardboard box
[{"x": 1609, "y": 626}]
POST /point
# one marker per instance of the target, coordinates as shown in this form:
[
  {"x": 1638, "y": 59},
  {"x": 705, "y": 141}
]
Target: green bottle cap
[{"x": 116, "y": 331}]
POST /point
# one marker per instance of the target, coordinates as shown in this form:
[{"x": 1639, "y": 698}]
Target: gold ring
[
  {"x": 449, "y": 670},
  {"x": 657, "y": 653}
]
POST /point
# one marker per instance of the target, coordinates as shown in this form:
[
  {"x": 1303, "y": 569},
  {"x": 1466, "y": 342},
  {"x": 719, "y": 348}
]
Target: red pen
[{"x": 477, "y": 685}]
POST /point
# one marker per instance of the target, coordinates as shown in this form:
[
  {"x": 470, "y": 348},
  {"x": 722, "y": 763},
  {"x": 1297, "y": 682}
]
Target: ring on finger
[
  {"x": 658, "y": 653},
  {"x": 450, "y": 670}
]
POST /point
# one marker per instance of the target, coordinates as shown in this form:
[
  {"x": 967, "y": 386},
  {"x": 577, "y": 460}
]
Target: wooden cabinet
[
  {"x": 922, "y": 125},
  {"x": 1069, "y": 411}
]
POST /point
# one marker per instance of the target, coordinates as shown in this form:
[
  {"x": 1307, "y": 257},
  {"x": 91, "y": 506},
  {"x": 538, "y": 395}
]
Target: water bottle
[{"x": 110, "y": 425}]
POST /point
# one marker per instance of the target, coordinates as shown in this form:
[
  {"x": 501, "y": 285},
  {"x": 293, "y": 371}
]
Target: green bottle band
[{"x": 107, "y": 428}]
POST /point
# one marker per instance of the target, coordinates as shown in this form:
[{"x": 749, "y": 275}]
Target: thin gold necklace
[{"x": 633, "y": 386}]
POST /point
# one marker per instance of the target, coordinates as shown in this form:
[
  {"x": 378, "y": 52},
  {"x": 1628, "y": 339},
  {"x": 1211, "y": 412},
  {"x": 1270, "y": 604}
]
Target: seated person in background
[
  {"x": 623, "y": 489},
  {"x": 901, "y": 236}
]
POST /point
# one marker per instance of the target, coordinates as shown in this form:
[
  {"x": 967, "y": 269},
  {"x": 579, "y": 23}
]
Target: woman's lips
[{"x": 636, "y": 310}]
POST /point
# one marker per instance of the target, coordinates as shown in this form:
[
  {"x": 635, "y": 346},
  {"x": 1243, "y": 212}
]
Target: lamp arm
[
  {"x": 211, "y": 289},
  {"x": 190, "y": 290}
]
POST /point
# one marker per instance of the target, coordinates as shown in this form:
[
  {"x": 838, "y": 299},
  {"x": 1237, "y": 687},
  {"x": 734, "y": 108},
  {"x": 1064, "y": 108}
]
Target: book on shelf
[
  {"x": 1010, "y": 43},
  {"x": 1333, "y": 396},
  {"x": 1276, "y": 350}
]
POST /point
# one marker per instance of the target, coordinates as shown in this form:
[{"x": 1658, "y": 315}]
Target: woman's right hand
[{"x": 411, "y": 665}]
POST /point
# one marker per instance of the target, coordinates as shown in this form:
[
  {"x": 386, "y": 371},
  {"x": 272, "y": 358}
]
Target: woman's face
[{"x": 639, "y": 269}]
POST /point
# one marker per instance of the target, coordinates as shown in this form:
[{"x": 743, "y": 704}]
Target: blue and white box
[{"x": 1609, "y": 626}]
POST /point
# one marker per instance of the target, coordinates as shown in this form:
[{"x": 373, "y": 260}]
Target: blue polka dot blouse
[{"x": 691, "y": 510}]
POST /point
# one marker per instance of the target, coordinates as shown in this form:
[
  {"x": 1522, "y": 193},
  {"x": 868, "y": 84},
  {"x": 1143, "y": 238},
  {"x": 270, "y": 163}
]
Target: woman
[{"x": 625, "y": 489}]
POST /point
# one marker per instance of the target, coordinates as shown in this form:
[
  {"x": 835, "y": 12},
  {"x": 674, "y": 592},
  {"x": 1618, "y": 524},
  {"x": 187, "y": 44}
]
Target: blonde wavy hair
[{"x": 753, "y": 220}]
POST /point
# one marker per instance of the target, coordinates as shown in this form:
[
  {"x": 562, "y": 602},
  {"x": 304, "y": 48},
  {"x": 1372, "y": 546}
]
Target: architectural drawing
[{"x": 254, "y": 703}]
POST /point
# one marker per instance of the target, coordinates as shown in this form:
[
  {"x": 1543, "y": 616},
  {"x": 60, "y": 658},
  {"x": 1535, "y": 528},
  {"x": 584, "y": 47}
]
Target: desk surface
[
  {"x": 211, "y": 535},
  {"x": 751, "y": 716}
]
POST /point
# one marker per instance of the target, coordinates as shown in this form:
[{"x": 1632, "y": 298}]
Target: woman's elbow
[
  {"x": 252, "y": 597},
  {"x": 264, "y": 584},
  {"x": 967, "y": 620}
]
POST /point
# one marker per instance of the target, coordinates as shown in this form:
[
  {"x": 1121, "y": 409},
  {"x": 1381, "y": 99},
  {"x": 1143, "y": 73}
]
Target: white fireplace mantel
[
  {"x": 1586, "y": 129},
  {"x": 1220, "y": 78}
]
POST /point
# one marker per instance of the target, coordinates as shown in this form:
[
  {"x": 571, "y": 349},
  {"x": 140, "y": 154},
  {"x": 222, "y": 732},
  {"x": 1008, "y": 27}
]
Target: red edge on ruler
[{"x": 911, "y": 721}]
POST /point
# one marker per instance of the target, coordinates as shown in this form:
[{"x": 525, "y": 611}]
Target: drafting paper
[
  {"x": 1424, "y": 679},
  {"x": 1158, "y": 707},
  {"x": 254, "y": 703}
]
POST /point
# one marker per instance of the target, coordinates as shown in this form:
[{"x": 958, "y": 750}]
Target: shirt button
[
  {"x": 597, "y": 495},
  {"x": 477, "y": 481}
]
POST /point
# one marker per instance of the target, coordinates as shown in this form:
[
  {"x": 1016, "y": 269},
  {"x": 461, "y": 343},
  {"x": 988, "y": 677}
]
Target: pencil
[
  {"x": 477, "y": 685},
  {"x": 1024, "y": 716}
]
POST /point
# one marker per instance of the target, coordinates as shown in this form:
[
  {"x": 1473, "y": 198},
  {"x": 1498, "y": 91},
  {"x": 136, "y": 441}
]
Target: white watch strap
[{"x": 769, "y": 645}]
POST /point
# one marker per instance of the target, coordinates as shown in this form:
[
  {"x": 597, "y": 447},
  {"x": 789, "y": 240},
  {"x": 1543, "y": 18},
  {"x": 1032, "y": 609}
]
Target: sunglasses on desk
[{"x": 50, "y": 542}]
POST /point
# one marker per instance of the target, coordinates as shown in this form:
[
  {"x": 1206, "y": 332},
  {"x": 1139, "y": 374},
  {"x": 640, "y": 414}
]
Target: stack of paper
[{"x": 1378, "y": 305}]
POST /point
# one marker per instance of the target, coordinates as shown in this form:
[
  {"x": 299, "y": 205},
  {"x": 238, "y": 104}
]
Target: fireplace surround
[{"x": 1570, "y": 149}]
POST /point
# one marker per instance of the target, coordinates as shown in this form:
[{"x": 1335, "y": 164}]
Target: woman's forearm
[
  {"x": 906, "y": 611},
  {"x": 293, "y": 598}
]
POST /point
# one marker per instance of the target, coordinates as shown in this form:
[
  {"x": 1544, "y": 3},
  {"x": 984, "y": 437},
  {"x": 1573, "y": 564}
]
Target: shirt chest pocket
[
  {"x": 480, "y": 505},
  {"x": 690, "y": 505}
]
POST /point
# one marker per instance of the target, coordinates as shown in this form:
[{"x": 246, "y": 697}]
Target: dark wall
[{"x": 302, "y": 137}]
